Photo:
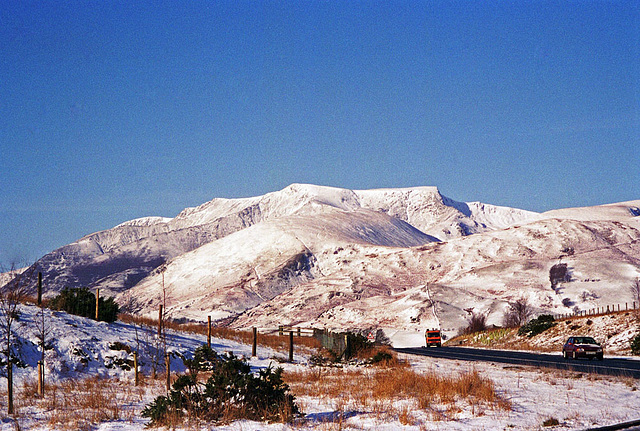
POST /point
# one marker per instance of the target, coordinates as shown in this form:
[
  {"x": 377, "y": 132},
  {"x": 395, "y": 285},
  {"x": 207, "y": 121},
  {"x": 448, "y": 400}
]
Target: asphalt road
[{"x": 608, "y": 366}]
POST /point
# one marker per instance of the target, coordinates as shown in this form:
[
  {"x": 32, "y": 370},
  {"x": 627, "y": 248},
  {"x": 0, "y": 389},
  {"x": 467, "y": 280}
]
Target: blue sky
[{"x": 115, "y": 110}]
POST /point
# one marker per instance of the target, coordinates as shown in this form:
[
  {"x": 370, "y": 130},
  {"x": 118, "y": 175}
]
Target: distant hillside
[{"x": 323, "y": 256}]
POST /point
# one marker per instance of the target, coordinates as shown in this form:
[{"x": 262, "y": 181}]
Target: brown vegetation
[
  {"x": 274, "y": 341},
  {"x": 396, "y": 390},
  {"x": 80, "y": 404},
  {"x": 609, "y": 329}
]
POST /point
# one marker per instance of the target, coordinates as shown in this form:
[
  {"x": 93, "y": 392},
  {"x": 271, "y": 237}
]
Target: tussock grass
[
  {"x": 80, "y": 404},
  {"x": 380, "y": 389}
]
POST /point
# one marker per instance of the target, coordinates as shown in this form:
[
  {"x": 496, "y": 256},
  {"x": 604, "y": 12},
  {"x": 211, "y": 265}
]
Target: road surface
[{"x": 608, "y": 366}]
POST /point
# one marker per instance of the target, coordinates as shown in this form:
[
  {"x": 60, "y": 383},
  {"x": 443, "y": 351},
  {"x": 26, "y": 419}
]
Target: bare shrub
[
  {"x": 477, "y": 323},
  {"x": 12, "y": 295},
  {"x": 635, "y": 291},
  {"x": 558, "y": 273},
  {"x": 518, "y": 313}
]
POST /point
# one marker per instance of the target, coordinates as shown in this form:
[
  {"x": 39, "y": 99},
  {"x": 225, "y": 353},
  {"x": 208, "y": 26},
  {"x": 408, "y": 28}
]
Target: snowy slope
[
  {"x": 324, "y": 256},
  {"x": 371, "y": 286},
  {"x": 82, "y": 348},
  {"x": 428, "y": 210},
  {"x": 116, "y": 259},
  {"x": 254, "y": 265}
]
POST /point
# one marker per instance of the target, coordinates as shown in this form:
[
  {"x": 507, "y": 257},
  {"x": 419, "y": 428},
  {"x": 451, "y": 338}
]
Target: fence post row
[{"x": 598, "y": 310}]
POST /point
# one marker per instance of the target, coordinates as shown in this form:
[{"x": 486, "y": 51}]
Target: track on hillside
[{"x": 608, "y": 366}]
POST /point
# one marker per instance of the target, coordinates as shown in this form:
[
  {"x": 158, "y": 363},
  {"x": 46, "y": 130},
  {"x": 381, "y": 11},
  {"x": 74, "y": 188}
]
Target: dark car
[{"x": 582, "y": 347}]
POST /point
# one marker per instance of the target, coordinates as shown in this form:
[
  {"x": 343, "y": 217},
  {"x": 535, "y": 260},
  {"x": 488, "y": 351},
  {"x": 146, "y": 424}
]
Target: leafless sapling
[
  {"x": 12, "y": 295},
  {"x": 518, "y": 313},
  {"x": 42, "y": 331},
  {"x": 635, "y": 294}
]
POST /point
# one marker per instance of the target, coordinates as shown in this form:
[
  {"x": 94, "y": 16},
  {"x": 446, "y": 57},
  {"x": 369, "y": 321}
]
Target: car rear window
[{"x": 585, "y": 340}]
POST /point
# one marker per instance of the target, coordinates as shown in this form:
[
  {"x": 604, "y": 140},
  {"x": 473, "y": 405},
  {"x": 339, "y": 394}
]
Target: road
[{"x": 608, "y": 366}]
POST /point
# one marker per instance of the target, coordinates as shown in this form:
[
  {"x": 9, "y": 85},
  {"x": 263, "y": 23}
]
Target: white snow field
[{"x": 80, "y": 348}]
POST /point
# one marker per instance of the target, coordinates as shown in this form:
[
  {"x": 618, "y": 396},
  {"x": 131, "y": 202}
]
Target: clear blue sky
[{"x": 121, "y": 109}]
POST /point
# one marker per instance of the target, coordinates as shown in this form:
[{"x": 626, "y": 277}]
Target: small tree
[
  {"x": 635, "y": 344},
  {"x": 537, "y": 325},
  {"x": 635, "y": 292},
  {"x": 81, "y": 302},
  {"x": 477, "y": 323},
  {"x": 42, "y": 331},
  {"x": 231, "y": 392},
  {"x": 558, "y": 273},
  {"x": 517, "y": 314},
  {"x": 11, "y": 296}
]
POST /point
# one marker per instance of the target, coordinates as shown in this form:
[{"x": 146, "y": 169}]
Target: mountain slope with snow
[
  {"x": 428, "y": 210},
  {"x": 253, "y": 265},
  {"x": 116, "y": 259},
  {"x": 324, "y": 256}
]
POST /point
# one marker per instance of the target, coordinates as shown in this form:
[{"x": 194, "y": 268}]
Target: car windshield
[{"x": 585, "y": 340}]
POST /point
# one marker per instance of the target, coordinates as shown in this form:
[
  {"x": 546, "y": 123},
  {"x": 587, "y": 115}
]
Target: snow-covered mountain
[{"x": 401, "y": 259}]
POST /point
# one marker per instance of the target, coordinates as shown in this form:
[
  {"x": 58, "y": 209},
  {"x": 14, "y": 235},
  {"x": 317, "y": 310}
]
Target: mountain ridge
[{"x": 351, "y": 254}]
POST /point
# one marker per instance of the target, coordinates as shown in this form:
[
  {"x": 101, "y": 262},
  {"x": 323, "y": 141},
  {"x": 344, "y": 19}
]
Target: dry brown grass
[
  {"x": 378, "y": 389},
  {"x": 276, "y": 342},
  {"x": 79, "y": 404}
]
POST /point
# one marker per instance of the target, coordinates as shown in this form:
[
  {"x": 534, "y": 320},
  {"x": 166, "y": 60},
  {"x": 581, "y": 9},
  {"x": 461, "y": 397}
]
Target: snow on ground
[{"x": 577, "y": 401}]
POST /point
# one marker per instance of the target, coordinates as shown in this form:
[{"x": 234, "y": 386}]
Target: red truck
[{"x": 433, "y": 338}]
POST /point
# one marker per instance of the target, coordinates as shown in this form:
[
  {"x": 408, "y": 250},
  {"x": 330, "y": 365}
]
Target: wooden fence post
[
  {"x": 280, "y": 330},
  {"x": 41, "y": 379},
  {"x": 160, "y": 321},
  {"x": 10, "y": 387},
  {"x": 39, "y": 289},
  {"x": 209, "y": 331},
  {"x": 254, "y": 345},
  {"x": 299, "y": 331},
  {"x": 136, "y": 378},
  {"x": 97, "y": 302},
  {"x": 290, "y": 346},
  {"x": 168, "y": 367},
  {"x": 347, "y": 344}
]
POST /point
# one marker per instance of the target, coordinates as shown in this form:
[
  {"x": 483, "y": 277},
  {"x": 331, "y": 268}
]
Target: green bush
[
  {"x": 231, "y": 392},
  {"x": 81, "y": 302},
  {"x": 204, "y": 359},
  {"x": 537, "y": 325},
  {"x": 635, "y": 344}
]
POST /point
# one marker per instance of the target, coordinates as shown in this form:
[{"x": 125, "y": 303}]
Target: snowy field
[{"x": 576, "y": 401}]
